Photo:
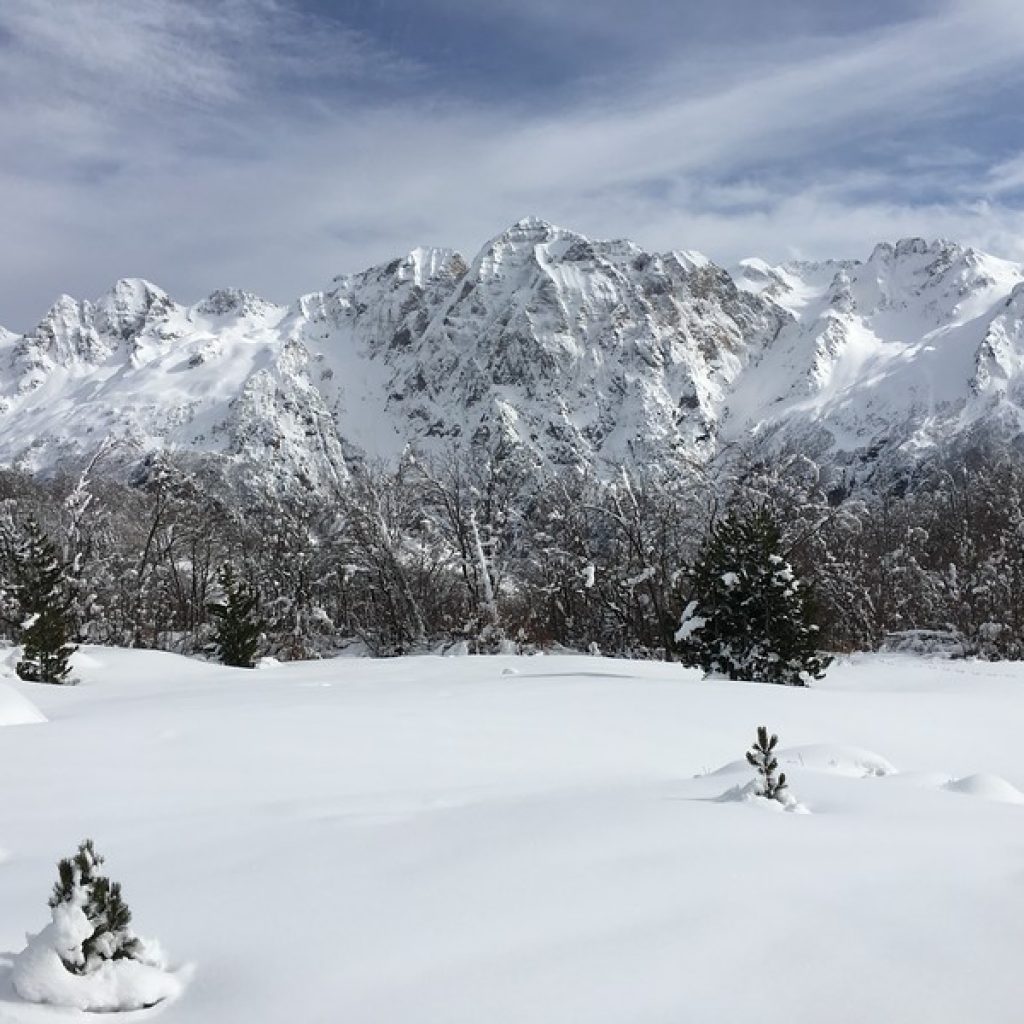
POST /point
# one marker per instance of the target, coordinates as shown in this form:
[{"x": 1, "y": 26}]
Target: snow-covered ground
[{"x": 529, "y": 840}]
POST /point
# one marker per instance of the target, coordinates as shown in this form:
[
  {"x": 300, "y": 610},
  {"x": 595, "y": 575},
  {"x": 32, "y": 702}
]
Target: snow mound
[
  {"x": 921, "y": 779},
  {"x": 855, "y": 762},
  {"x": 823, "y": 757},
  {"x": 39, "y": 975},
  {"x": 16, "y": 709},
  {"x": 748, "y": 794},
  {"x": 88, "y": 661},
  {"x": 987, "y": 787}
]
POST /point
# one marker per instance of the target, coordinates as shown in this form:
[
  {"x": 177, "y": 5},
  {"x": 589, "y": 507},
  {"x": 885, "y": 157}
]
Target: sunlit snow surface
[
  {"x": 913, "y": 345},
  {"x": 510, "y": 840}
]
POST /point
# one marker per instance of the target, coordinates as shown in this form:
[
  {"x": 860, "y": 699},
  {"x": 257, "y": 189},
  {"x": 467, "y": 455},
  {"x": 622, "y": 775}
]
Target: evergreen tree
[
  {"x": 45, "y": 608},
  {"x": 761, "y": 756},
  {"x": 80, "y": 885},
  {"x": 238, "y": 625},
  {"x": 749, "y": 616}
]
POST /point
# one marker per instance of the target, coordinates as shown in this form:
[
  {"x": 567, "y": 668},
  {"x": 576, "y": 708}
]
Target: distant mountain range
[{"x": 581, "y": 352}]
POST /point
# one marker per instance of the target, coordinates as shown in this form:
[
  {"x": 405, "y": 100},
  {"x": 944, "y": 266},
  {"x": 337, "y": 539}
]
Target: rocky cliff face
[{"x": 577, "y": 351}]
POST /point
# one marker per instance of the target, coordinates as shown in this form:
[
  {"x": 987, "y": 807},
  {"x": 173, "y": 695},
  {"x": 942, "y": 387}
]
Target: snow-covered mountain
[
  {"x": 918, "y": 344},
  {"x": 581, "y": 352}
]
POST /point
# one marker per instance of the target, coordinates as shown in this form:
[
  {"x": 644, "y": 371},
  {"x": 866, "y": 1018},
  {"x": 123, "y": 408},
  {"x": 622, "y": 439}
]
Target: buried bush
[
  {"x": 80, "y": 885},
  {"x": 88, "y": 957}
]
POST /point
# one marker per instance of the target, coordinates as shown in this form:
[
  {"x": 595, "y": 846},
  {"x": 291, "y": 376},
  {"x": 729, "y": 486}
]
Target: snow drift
[
  {"x": 39, "y": 974},
  {"x": 16, "y": 709}
]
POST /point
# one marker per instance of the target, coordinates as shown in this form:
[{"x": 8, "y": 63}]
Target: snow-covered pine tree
[
  {"x": 761, "y": 756},
  {"x": 79, "y": 885},
  {"x": 238, "y": 625},
  {"x": 44, "y": 606},
  {"x": 748, "y": 617}
]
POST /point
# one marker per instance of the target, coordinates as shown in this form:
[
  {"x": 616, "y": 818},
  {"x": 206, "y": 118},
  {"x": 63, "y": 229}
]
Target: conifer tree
[
  {"x": 80, "y": 885},
  {"x": 761, "y": 756},
  {"x": 749, "y": 615},
  {"x": 238, "y": 625},
  {"x": 45, "y": 608}
]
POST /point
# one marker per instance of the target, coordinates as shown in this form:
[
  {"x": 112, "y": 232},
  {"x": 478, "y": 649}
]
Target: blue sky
[{"x": 271, "y": 144}]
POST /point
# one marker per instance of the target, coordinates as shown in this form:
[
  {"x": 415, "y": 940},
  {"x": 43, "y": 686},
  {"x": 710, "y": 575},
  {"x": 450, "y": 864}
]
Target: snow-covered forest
[{"x": 493, "y": 554}]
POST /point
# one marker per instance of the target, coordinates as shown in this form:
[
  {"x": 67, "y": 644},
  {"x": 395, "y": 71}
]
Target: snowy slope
[
  {"x": 219, "y": 377},
  {"x": 534, "y": 839},
  {"x": 579, "y": 351},
  {"x": 915, "y": 345},
  {"x": 16, "y": 709}
]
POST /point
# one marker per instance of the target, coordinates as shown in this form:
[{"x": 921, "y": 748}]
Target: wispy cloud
[
  {"x": 1006, "y": 176},
  {"x": 251, "y": 142}
]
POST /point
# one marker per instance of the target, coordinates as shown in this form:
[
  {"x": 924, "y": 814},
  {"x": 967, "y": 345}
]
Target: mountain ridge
[{"x": 578, "y": 352}]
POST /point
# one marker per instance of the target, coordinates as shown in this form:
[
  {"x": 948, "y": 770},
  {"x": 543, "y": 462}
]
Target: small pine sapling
[
  {"x": 87, "y": 957},
  {"x": 79, "y": 885},
  {"x": 761, "y": 756}
]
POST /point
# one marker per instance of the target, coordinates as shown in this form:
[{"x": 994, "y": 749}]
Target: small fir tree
[
  {"x": 761, "y": 756},
  {"x": 238, "y": 626},
  {"x": 749, "y": 617},
  {"x": 45, "y": 608},
  {"x": 80, "y": 885}
]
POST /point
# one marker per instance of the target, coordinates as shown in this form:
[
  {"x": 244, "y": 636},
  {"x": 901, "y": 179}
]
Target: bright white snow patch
[
  {"x": 16, "y": 709},
  {"x": 840, "y": 760},
  {"x": 750, "y": 793},
  {"x": 988, "y": 787},
  {"x": 39, "y": 976},
  {"x": 690, "y": 622}
]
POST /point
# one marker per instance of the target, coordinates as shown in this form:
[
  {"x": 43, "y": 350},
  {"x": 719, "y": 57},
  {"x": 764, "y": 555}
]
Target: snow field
[{"x": 427, "y": 840}]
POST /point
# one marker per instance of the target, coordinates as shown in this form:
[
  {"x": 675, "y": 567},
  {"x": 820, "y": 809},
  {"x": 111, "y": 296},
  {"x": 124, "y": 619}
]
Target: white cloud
[{"x": 192, "y": 143}]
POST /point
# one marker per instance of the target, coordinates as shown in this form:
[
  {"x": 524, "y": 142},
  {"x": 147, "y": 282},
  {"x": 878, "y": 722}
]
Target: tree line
[{"x": 491, "y": 553}]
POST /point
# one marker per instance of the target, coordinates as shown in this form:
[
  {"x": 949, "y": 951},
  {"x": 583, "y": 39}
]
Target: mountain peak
[
  {"x": 137, "y": 288},
  {"x": 907, "y": 248},
  {"x": 533, "y": 224},
  {"x": 533, "y": 230},
  {"x": 129, "y": 304},
  {"x": 234, "y": 302}
]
